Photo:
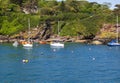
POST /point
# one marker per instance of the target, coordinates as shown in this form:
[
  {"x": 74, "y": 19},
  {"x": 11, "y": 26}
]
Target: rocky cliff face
[
  {"x": 35, "y": 33},
  {"x": 108, "y": 31}
]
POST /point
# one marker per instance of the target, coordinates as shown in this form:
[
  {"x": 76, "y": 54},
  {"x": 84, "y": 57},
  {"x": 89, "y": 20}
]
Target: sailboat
[
  {"x": 115, "y": 42},
  {"x": 28, "y": 43},
  {"x": 57, "y": 42}
]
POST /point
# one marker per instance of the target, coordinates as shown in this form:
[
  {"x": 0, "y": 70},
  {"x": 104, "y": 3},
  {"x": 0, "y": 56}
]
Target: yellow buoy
[{"x": 25, "y": 61}]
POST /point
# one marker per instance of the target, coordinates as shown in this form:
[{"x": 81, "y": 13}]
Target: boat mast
[
  {"x": 117, "y": 36},
  {"x": 58, "y": 29},
  {"x": 28, "y": 29}
]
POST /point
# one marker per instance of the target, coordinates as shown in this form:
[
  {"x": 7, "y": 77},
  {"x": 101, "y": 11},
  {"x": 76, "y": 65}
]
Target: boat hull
[
  {"x": 113, "y": 44},
  {"x": 28, "y": 45},
  {"x": 57, "y": 44}
]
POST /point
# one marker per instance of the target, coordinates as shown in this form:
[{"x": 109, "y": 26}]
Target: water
[{"x": 76, "y": 63}]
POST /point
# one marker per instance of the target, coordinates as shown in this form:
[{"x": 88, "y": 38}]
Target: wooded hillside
[{"x": 81, "y": 18}]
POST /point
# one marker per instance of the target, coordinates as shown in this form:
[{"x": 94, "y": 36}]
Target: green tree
[{"x": 9, "y": 28}]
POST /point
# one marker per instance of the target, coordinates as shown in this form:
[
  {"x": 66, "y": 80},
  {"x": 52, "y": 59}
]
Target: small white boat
[
  {"x": 28, "y": 44},
  {"x": 57, "y": 44},
  {"x": 15, "y": 44}
]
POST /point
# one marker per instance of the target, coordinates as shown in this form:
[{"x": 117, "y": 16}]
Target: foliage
[
  {"x": 78, "y": 17},
  {"x": 117, "y": 9},
  {"x": 73, "y": 28},
  {"x": 9, "y": 28}
]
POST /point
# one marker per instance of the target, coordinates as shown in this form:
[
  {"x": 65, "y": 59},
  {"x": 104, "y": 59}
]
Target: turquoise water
[{"x": 75, "y": 63}]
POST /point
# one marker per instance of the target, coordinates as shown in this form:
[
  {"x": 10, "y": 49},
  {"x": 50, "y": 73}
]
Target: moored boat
[
  {"x": 42, "y": 42},
  {"x": 57, "y": 42},
  {"x": 28, "y": 43},
  {"x": 115, "y": 42}
]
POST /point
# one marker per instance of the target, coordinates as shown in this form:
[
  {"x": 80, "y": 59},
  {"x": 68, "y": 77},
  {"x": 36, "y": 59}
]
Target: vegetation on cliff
[{"x": 81, "y": 18}]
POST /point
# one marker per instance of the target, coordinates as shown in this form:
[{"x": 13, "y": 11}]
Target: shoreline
[{"x": 87, "y": 41}]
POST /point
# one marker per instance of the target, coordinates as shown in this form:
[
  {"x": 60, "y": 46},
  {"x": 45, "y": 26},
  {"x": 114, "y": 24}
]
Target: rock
[
  {"x": 96, "y": 42},
  {"x": 81, "y": 41}
]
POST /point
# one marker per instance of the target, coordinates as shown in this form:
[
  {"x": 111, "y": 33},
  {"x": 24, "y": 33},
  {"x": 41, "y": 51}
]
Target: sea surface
[{"x": 75, "y": 63}]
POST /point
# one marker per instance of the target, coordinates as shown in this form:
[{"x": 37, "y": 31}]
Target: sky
[{"x": 113, "y": 2}]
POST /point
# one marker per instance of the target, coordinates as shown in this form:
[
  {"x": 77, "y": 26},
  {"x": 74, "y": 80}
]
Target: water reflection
[
  {"x": 28, "y": 48},
  {"x": 28, "y": 54},
  {"x": 55, "y": 48}
]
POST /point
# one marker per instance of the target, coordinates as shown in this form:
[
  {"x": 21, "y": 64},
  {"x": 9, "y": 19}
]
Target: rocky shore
[
  {"x": 106, "y": 34},
  {"x": 5, "y": 39}
]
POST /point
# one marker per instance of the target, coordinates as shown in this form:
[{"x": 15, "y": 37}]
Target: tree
[
  {"x": 17, "y": 2},
  {"x": 117, "y": 9},
  {"x": 9, "y": 28}
]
